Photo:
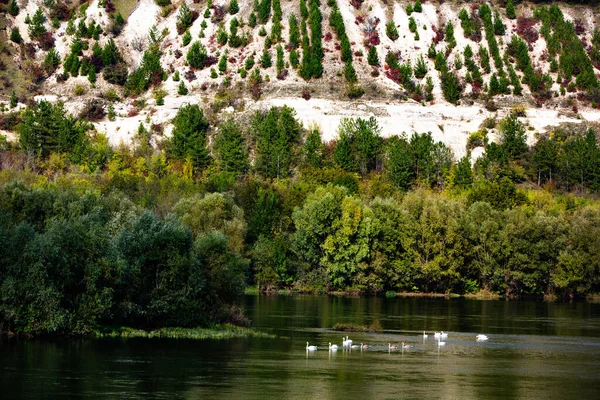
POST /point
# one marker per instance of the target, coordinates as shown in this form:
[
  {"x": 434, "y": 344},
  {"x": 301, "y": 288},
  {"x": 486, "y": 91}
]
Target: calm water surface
[{"x": 535, "y": 351}]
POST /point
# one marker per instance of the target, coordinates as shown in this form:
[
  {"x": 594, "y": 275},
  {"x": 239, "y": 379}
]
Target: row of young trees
[{"x": 280, "y": 147}]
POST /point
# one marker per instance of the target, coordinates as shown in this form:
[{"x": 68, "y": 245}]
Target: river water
[{"x": 536, "y": 350}]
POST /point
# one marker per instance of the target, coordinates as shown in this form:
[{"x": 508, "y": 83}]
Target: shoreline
[
  {"x": 483, "y": 295},
  {"x": 214, "y": 332}
]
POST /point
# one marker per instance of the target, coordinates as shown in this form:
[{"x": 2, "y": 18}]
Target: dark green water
[{"x": 535, "y": 351}]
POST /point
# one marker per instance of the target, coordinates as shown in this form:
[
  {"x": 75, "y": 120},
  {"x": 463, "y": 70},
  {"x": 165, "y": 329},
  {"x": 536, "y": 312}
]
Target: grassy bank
[{"x": 216, "y": 332}]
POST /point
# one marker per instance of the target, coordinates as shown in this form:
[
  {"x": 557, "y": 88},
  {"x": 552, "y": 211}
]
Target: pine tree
[
  {"x": 234, "y": 8},
  {"x": 418, "y": 7},
  {"x": 373, "y": 58},
  {"x": 312, "y": 151},
  {"x": 13, "y": 8},
  {"x": 391, "y": 31},
  {"x": 294, "y": 40},
  {"x": 188, "y": 139},
  {"x": 13, "y": 99},
  {"x": 280, "y": 62},
  {"x": 187, "y": 38},
  {"x": 36, "y": 28},
  {"x": 294, "y": 58},
  {"x": 510, "y": 10},
  {"x": 182, "y": 89},
  {"x": 92, "y": 74},
  {"x": 265, "y": 59},
  {"x": 196, "y": 55},
  {"x": 230, "y": 149},
  {"x": 462, "y": 175},
  {"x": 451, "y": 87},
  {"x": 420, "y": 68},
  {"x": 223, "y": 63},
  {"x": 499, "y": 28},
  {"x": 51, "y": 61},
  {"x": 494, "y": 85},
  {"x": 349, "y": 72},
  {"x": 431, "y": 52},
  {"x": 15, "y": 35}
]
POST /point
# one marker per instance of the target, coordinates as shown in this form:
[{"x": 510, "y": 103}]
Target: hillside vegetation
[{"x": 160, "y": 173}]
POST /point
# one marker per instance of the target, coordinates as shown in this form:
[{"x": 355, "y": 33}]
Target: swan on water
[
  {"x": 354, "y": 346},
  {"x": 437, "y": 335},
  {"x": 348, "y": 341},
  {"x": 440, "y": 343},
  {"x": 364, "y": 346},
  {"x": 482, "y": 337},
  {"x": 443, "y": 335},
  {"x": 392, "y": 347},
  {"x": 424, "y": 335},
  {"x": 310, "y": 348},
  {"x": 333, "y": 347},
  {"x": 406, "y": 346}
]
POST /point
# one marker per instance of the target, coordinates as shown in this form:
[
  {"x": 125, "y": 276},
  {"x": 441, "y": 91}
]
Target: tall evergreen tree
[
  {"x": 230, "y": 149},
  {"x": 189, "y": 136}
]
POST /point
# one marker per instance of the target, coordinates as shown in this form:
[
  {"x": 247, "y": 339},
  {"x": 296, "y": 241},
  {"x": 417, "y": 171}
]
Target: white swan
[
  {"x": 349, "y": 342},
  {"x": 440, "y": 343},
  {"x": 310, "y": 348},
  {"x": 364, "y": 346},
  {"x": 443, "y": 335},
  {"x": 333, "y": 347},
  {"x": 437, "y": 335},
  {"x": 406, "y": 346},
  {"x": 481, "y": 337},
  {"x": 392, "y": 347},
  {"x": 354, "y": 346},
  {"x": 424, "y": 335}
]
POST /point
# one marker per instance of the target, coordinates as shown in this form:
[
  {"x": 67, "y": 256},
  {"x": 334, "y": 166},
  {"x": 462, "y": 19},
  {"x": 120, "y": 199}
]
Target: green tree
[
  {"x": 213, "y": 212},
  {"x": 223, "y": 63},
  {"x": 36, "y": 27},
  {"x": 276, "y": 134},
  {"x": 418, "y": 7},
  {"x": 186, "y": 38},
  {"x": 13, "y": 99},
  {"x": 513, "y": 137},
  {"x": 499, "y": 28},
  {"x": 189, "y": 137},
  {"x": 51, "y": 61},
  {"x": 233, "y": 7},
  {"x": 185, "y": 18},
  {"x": 92, "y": 74},
  {"x": 13, "y": 8},
  {"x": 294, "y": 39},
  {"x": 391, "y": 31},
  {"x": 312, "y": 150},
  {"x": 231, "y": 152},
  {"x": 420, "y": 68},
  {"x": 373, "y": 58},
  {"x": 359, "y": 145},
  {"x": 265, "y": 59},
  {"x": 399, "y": 163},
  {"x": 182, "y": 89},
  {"x": 451, "y": 87},
  {"x": 196, "y": 55},
  {"x": 461, "y": 173},
  {"x": 510, "y": 10},
  {"x": 15, "y": 35},
  {"x": 46, "y": 128}
]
